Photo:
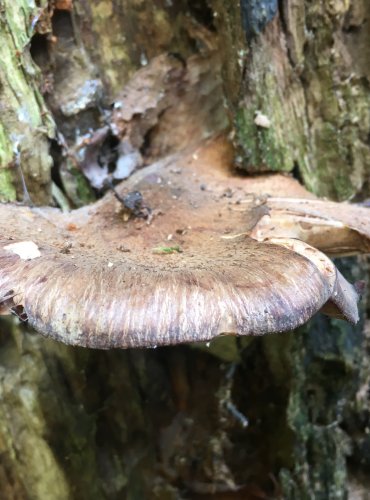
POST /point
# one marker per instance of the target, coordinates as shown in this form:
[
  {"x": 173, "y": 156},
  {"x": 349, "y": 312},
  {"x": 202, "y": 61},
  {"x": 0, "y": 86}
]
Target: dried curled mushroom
[{"x": 94, "y": 278}]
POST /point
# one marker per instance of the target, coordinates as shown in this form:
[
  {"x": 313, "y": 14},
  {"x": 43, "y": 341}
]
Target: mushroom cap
[
  {"x": 146, "y": 299},
  {"x": 336, "y": 228},
  {"x": 188, "y": 273}
]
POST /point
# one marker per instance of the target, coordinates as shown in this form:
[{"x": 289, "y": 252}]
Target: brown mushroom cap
[
  {"x": 146, "y": 299},
  {"x": 182, "y": 275}
]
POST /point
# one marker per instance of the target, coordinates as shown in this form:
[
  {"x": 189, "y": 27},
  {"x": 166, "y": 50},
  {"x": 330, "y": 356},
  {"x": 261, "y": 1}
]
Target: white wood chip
[{"x": 26, "y": 250}]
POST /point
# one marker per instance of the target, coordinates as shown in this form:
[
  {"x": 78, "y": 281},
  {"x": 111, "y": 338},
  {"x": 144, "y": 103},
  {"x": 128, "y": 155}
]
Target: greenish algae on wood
[
  {"x": 35, "y": 411},
  {"x": 321, "y": 367},
  {"x": 7, "y": 189},
  {"x": 75, "y": 185},
  {"x": 26, "y": 125},
  {"x": 302, "y": 72},
  {"x": 132, "y": 33}
]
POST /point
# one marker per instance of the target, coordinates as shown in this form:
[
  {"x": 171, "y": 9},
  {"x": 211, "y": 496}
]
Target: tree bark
[
  {"x": 304, "y": 66},
  {"x": 281, "y": 416}
]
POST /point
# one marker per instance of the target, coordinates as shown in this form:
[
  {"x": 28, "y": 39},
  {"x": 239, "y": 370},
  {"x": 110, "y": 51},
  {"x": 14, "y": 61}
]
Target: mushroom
[
  {"x": 190, "y": 272},
  {"x": 338, "y": 229}
]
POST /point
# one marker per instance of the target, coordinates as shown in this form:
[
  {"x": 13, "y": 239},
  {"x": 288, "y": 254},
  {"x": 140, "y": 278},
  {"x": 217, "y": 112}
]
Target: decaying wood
[{"x": 305, "y": 69}]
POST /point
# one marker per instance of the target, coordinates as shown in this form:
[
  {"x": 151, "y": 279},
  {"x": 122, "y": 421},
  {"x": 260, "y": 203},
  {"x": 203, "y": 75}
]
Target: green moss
[
  {"x": 85, "y": 194},
  {"x": 261, "y": 148},
  {"x": 6, "y": 154},
  {"x": 7, "y": 190},
  {"x": 279, "y": 145},
  {"x": 312, "y": 90},
  {"x": 332, "y": 168},
  {"x": 76, "y": 186},
  {"x": 167, "y": 250}
]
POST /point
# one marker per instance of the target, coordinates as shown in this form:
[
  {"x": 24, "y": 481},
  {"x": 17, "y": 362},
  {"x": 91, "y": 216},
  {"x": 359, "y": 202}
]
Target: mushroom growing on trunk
[
  {"x": 186, "y": 249},
  {"x": 190, "y": 271}
]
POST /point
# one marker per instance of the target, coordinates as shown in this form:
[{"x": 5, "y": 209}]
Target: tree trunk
[{"x": 281, "y": 416}]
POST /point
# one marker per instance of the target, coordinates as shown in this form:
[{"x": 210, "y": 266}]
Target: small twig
[{"x": 132, "y": 202}]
